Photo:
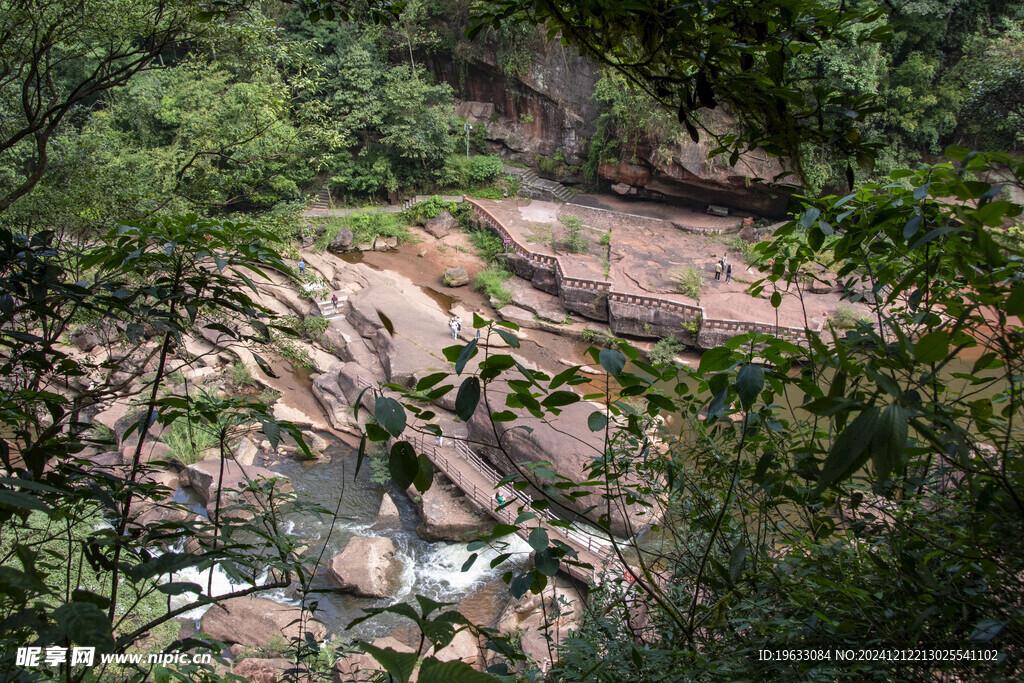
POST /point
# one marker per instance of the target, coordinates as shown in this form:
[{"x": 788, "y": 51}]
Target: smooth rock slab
[
  {"x": 367, "y": 566},
  {"x": 205, "y": 478},
  {"x": 256, "y": 622}
]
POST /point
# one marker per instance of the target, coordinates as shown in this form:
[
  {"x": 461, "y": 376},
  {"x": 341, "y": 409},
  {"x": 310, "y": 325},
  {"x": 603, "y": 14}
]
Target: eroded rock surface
[{"x": 367, "y": 566}]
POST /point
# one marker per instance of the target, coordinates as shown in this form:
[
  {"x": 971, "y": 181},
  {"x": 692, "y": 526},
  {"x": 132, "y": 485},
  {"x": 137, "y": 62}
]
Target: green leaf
[
  {"x": 467, "y": 352},
  {"x": 538, "y": 539},
  {"x": 390, "y": 415},
  {"x": 612, "y": 360},
  {"x": 455, "y": 671},
  {"x": 546, "y": 563},
  {"x": 424, "y": 474},
  {"x": 264, "y": 366},
  {"x": 467, "y": 398},
  {"x": 85, "y": 624},
  {"x": 889, "y": 441},
  {"x": 715, "y": 360},
  {"x": 20, "y": 500},
  {"x": 18, "y": 583},
  {"x": 509, "y": 338},
  {"x": 749, "y": 382},
  {"x": 398, "y": 664},
  {"x": 776, "y": 299},
  {"x": 520, "y": 585},
  {"x": 986, "y": 629},
  {"x": 403, "y": 464},
  {"x": 1015, "y": 302},
  {"x": 932, "y": 347},
  {"x": 809, "y": 216},
  {"x": 912, "y": 226},
  {"x": 430, "y": 380},
  {"x": 597, "y": 421},
  {"x": 559, "y": 398},
  {"x": 375, "y": 433},
  {"x": 718, "y": 403},
  {"x": 850, "y": 449},
  {"x": 736, "y": 559},
  {"x": 180, "y": 588}
]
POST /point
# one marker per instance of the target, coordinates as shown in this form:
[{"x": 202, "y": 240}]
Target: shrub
[
  {"x": 469, "y": 172},
  {"x": 366, "y": 227},
  {"x": 665, "y": 350},
  {"x": 420, "y": 213},
  {"x": 188, "y": 442},
  {"x": 487, "y": 244},
  {"x": 575, "y": 241},
  {"x": 845, "y": 316},
  {"x": 689, "y": 282},
  {"x": 241, "y": 376},
  {"x": 491, "y": 281}
]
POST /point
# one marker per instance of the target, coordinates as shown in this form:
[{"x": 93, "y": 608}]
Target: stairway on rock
[{"x": 323, "y": 200}]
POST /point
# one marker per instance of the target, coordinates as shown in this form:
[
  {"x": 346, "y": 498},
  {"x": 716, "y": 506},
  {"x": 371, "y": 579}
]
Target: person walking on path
[
  {"x": 455, "y": 325},
  {"x": 728, "y": 274},
  {"x": 334, "y": 301},
  {"x": 302, "y": 268},
  {"x": 718, "y": 270}
]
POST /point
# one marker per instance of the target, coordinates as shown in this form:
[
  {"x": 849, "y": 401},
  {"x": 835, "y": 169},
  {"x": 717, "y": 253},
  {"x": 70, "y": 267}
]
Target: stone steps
[
  {"x": 530, "y": 179},
  {"x": 323, "y": 200},
  {"x": 328, "y": 309}
]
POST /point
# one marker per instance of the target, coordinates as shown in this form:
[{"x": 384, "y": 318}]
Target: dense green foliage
[
  {"x": 950, "y": 73},
  {"x": 863, "y": 489}
]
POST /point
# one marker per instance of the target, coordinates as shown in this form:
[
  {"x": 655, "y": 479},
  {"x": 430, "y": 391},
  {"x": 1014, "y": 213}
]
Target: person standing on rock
[
  {"x": 334, "y": 301},
  {"x": 454, "y": 325},
  {"x": 728, "y": 274},
  {"x": 718, "y": 270},
  {"x": 302, "y": 268}
]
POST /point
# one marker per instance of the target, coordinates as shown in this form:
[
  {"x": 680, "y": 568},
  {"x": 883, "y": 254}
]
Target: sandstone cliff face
[
  {"x": 546, "y": 117},
  {"x": 549, "y": 108},
  {"x": 684, "y": 172}
]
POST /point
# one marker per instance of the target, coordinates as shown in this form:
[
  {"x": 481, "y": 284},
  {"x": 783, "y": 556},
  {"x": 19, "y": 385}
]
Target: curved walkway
[{"x": 481, "y": 483}]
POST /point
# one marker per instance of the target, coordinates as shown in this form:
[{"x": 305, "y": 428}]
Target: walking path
[{"x": 481, "y": 483}]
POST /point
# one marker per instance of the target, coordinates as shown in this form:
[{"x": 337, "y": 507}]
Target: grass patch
[
  {"x": 491, "y": 281},
  {"x": 846, "y": 316},
  {"x": 241, "y": 376},
  {"x": 689, "y": 282},
  {"x": 188, "y": 442},
  {"x": 365, "y": 227},
  {"x": 421, "y": 213},
  {"x": 487, "y": 245}
]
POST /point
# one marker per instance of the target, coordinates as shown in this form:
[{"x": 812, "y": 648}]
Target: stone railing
[
  {"x": 741, "y": 326},
  {"x": 690, "y": 312}
]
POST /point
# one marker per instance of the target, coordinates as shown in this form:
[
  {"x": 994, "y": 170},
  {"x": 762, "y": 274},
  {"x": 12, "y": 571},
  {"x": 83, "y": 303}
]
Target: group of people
[
  {"x": 723, "y": 265},
  {"x": 456, "y": 326}
]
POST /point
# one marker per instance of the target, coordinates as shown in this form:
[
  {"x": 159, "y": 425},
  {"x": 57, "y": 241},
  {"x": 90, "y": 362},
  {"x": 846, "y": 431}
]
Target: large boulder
[
  {"x": 342, "y": 241},
  {"x": 205, "y": 478},
  {"x": 388, "y": 516},
  {"x": 263, "y": 670},
  {"x": 441, "y": 225},
  {"x": 85, "y": 339},
  {"x": 535, "y": 618},
  {"x": 446, "y": 513},
  {"x": 456, "y": 277},
  {"x": 367, "y": 566},
  {"x": 151, "y": 450},
  {"x": 256, "y": 622}
]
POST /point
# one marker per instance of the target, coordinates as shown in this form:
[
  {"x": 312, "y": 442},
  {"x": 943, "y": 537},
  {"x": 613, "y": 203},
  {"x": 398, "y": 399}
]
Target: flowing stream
[{"x": 431, "y": 569}]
